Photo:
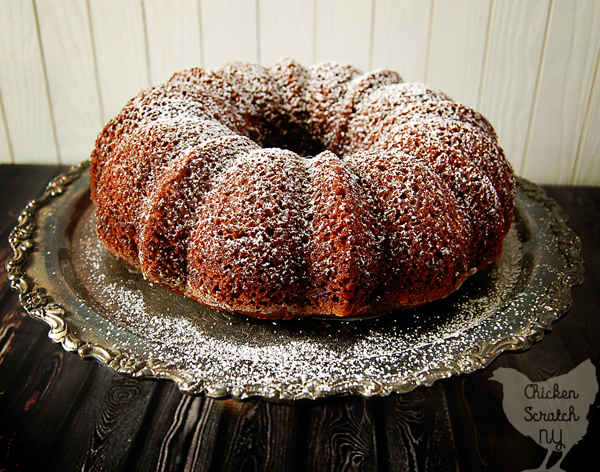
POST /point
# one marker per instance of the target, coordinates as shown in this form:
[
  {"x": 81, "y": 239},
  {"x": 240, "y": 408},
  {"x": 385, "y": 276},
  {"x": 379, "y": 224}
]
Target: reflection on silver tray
[{"x": 96, "y": 306}]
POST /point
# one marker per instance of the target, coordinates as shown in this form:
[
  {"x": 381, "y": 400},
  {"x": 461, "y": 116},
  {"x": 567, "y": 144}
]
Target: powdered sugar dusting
[{"x": 200, "y": 184}]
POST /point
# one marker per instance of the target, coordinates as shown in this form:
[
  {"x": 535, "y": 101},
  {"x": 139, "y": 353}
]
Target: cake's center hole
[{"x": 291, "y": 136}]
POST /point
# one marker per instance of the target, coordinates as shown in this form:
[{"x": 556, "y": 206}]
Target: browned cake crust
[{"x": 293, "y": 192}]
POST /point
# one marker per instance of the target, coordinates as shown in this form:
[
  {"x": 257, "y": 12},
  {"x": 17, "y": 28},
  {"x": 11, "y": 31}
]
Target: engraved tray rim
[{"x": 39, "y": 303}]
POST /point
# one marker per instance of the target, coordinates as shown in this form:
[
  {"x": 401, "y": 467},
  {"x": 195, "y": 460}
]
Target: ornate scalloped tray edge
[{"x": 552, "y": 299}]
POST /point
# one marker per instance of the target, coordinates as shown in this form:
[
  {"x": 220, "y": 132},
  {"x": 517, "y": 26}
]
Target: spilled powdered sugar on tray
[{"x": 237, "y": 351}]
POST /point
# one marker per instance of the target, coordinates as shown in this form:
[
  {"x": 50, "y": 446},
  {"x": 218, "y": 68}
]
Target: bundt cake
[{"x": 293, "y": 192}]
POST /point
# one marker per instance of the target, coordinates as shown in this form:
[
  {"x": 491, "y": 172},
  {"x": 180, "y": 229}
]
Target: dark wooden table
[{"x": 59, "y": 412}]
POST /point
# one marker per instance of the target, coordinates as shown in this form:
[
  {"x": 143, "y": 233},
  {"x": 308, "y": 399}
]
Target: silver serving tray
[{"x": 98, "y": 307}]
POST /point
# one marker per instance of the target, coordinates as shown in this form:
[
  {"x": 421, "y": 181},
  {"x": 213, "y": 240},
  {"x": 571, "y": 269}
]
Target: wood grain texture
[
  {"x": 173, "y": 30},
  {"x": 341, "y": 436},
  {"x": 204, "y": 446},
  {"x": 511, "y": 71},
  {"x": 23, "y": 86},
  {"x": 181, "y": 432},
  {"x": 36, "y": 398},
  {"x": 69, "y": 58},
  {"x": 255, "y": 435},
  {"x": 119, "y": 37},
  {"x": 343, "y": 31},
  {"x": 19, "y": 336},
  {"x": 163, "y": 411},
  {"x": 564, "y": 90},
  {"x": 418, "y": 433},
  {"x": 100, "y": 431},
  {"x": 456, "y": 66},
  {"x": 174, "y": 447},
  {"x": 286, "y": 29},
  {"x": 229, "y": 31},
  {"x": 401, "y": 37}
]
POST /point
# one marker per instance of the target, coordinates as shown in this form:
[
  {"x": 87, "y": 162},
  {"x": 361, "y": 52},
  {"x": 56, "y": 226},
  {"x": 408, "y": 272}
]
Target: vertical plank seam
[
  {"x": 536, "y": 91},
  {"x": 315, "y": 31},
  {"x": 370, "y": 411},
  {"x": 96, "y": 68},
  {"x": 146, "y": 43},
  {"x": 258, "y": 55},
  {"x": 201, "y": 36},
  {"x": 486, "y": 55},
  {"x": 46, "y": 84},
  {"x": 429, "y": 43},
  {"x": 446, "y": 413},
  {"x": 372, "y": 38},
  {"x": 586, "y": 121},
  {"x": 8, "y": 141},
  {"x": 269, "y": 433}
]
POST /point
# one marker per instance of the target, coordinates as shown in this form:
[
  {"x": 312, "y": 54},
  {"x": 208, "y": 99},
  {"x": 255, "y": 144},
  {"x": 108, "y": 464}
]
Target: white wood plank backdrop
[{"x": 531, "y": 67}]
